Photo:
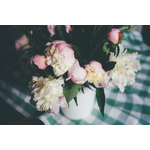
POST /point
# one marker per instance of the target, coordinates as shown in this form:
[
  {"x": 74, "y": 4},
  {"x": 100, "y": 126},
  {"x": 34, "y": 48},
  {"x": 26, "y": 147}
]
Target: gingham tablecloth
[{"x": 132, "y": 108}]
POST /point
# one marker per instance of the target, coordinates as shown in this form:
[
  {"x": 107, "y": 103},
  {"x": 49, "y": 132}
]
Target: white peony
[
  {"x": 125, "y": 68},
  {"x": 47, "y": 94}
]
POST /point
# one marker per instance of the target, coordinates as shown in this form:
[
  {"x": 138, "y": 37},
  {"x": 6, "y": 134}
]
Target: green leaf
[
  {"x": 32, "y": 40},
  {"x": 139, "y": 52},
  {"x": 99, "y": 28},
  {"x": 125, "y": 28},
  {"x": 87, "y": 84},
  {"x": 109, "y": 65},
  {"x": 62, "y": 32},
  {"x": 77, "y": 48},
  {"x": 132, "y": 26},
  {"x": 100, "y": 99},
  {"x": 75, "y": 99},
  {"x": 79, "y": 51},
  {"x": 101, "y": 32},
  {"x": 116, "y": 52},
  {"x": 104, "y": 29},
  {"x": 96, "y": 50},
  {"x": 49, "y": 72},
  {"x": 93, "y": 33},
  {"x": 82, "y": 89},
  {"x": 106, "y": 49},
  {"x": 51, "y": 77},
  {"x": 110, "y": 27},
  {"x": 27, "y": 53},
  {"x": 70, "y": 91}
]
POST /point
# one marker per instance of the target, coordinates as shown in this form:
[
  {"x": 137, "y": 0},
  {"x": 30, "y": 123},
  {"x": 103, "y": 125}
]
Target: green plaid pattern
[{"x": 129, "y": 108}]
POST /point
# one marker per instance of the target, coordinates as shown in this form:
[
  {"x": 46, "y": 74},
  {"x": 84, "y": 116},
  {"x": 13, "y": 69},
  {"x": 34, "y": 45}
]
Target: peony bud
[
  {"x": 51, "y": 29},
  {"x": 96, "y": 74},
  {"x": 39, "y": 60},
  {"x": 60, "y": 56},
  {"x": 21, "y": 42},
  {"x": 115, "y": 36},
  {"x": 106, "y": 43},
  {"x": 77, "y": 74},
  {"x": 68, "y": 28}
]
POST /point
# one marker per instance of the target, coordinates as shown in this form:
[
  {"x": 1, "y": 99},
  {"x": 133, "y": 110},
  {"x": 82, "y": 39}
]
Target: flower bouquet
[{"x": 64, "y": 59}]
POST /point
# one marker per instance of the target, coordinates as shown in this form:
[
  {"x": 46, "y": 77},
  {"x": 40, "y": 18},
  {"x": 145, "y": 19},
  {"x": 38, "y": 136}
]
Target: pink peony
[
  {"x": 51, "y": 28},
  {"x": 96, "y": 74},
  {"x": 60, "y": 56},
  {"x": 77, "y": 73},
  {"x": 115, "y": 36},
  {"x": 39, "y": 60},
  {"x": 55, "y": 110},
  {"x": 59, "y": 102},
  {"x": 21, "y": 42}
]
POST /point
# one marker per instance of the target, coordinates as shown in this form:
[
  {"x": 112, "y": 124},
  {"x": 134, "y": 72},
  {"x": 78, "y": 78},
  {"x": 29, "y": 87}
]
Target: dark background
[
  {"x": 8, "y": 57},
  {"x": 8, "y": 54}
]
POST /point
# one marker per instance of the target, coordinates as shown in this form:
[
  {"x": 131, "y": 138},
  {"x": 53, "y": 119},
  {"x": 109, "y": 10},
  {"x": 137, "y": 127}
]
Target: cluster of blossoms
[{"x": 48, "y": 93}]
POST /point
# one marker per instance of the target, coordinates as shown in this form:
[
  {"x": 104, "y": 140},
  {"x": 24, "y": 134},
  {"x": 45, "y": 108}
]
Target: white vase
[{"x": 85, "y": 105}]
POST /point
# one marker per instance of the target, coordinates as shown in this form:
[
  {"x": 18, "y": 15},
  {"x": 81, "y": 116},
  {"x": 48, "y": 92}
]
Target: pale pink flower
[
  {"x": 55, "y": 110},
  {"x": 96, "y": 74},
  {"x": 68, "y": 28},
  {"x": 77, "y": 73},
  {"x": 51, "y": 29},
  {"x": 115, "y": 36},
  {"x": 59, "y": 102},
  {"x": 21, "y": 42},
  {"x": 60, "y": 56},
  {"x": 40, "y": 61},
  {"x": 106, "y": 43}
]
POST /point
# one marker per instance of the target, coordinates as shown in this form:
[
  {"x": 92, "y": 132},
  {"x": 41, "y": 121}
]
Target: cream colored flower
[
  {"x": 125, "y": 68},
  {"x": 47, "y": 93}
]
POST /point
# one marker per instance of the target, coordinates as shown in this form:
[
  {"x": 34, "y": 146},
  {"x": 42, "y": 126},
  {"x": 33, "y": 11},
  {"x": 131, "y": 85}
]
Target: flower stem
[{"x": 93, "y": 32}]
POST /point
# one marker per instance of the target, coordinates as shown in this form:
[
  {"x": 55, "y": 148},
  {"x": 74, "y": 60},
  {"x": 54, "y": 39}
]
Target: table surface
[{"x": 129, "y": 108}]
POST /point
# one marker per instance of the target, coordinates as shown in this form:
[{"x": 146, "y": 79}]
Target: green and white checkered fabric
[{"x": 127, "y": 108}]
